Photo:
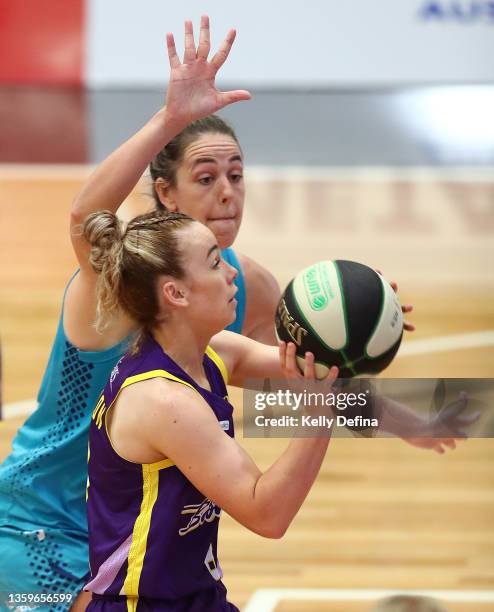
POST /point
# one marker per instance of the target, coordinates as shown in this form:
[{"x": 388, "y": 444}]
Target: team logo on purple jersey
[
  {"x": 205, "y": 512},
  {"x": 114, "y": 373}
]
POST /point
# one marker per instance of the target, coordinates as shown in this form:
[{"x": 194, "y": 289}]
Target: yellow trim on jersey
[
  {"x": 212, "y": 354},
  {"x": 165, "y": 463},
  {"x": 157, "y": 465},
  {"x": 98, "y": 411},
  {"x": 132, "y": 604},
  {"x": 88, "y": 457},
  {"x": 152, "y": 374},
  {"x": 140, "y": 533},
  {"x": 98, "y": 406}
]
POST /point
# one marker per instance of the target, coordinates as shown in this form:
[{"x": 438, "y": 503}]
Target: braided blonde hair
[{"x": 129, "y": 261}]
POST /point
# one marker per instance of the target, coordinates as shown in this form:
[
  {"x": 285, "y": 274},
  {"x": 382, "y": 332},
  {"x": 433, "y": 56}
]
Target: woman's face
[
  {"x": 208, "y": 285},
  {"x": 210, "y": 186}
]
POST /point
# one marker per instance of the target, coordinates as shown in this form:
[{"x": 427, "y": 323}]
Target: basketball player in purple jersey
[{"x": 162, "y": 458}]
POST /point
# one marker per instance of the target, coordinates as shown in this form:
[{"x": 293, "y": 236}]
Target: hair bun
[{"x": 103, "y": 231}]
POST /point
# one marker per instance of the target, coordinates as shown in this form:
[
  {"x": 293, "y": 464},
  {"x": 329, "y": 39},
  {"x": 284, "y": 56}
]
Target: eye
[
  {"x": 236, "y": 177},
  {"x": 217, "y": 262},
  {"x": 205, "y": 180}
]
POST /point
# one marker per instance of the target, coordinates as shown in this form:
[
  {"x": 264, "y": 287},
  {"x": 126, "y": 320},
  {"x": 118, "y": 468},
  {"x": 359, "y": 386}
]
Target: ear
[
  {"x": 174, "y": 294},
  {"x": 164, "y": 192}
]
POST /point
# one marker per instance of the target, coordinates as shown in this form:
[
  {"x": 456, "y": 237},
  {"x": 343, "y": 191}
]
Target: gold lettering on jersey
[
  {"x": 205, "y": 512},
  {"x": 294, "y": 329}
]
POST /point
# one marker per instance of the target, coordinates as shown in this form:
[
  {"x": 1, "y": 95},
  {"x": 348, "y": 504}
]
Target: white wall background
[{"x": 288, "y": 43}]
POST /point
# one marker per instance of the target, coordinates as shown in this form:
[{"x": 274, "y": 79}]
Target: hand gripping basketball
[{"x": 291, "y": 370}]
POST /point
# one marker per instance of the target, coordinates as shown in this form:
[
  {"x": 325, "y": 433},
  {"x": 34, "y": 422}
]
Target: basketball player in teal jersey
[{"x": 43, "y": 528}]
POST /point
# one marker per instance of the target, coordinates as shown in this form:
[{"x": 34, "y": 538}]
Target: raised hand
[{"x": 192, "y": 92}]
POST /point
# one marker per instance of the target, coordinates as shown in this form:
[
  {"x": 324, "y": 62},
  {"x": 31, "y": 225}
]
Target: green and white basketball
[{"x": 343, "y": 312}]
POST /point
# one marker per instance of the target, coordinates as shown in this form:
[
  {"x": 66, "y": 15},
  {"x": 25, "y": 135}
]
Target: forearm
[
  {"x": 281, "y": 490},
  {"x": 398, "y": 419},
  {"x": 118, "y": 174}
]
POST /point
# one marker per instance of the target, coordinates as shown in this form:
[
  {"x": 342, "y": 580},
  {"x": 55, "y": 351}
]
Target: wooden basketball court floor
[{"x": 383, "y": 514}]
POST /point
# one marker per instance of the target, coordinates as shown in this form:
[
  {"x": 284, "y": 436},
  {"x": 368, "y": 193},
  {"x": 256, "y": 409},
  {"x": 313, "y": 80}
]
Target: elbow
[
  {"x": 77, "y": 212},
  {"x": 273, "y": 530},
  {"x": 275, "y": 533}
]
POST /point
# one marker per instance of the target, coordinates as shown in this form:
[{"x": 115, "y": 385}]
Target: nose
[
  {"x": 226, "y": 191},
  {"x": 231, "y": 273}
]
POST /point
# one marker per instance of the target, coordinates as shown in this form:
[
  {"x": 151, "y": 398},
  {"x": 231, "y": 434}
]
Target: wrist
[{"x": 170, "y": 124}]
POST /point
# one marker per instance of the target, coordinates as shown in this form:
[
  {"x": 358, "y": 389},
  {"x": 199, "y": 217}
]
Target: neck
[{"x": 184, "y": 345}]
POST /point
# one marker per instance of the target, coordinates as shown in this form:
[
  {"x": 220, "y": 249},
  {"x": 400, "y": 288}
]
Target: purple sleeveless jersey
[{"x": 152, "y": 534}]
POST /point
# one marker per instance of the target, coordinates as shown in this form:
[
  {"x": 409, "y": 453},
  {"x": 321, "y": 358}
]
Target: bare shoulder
[
  {"x": 157, "y": 398},
  {"x": 147, "y": 414},
  {"x": 262, "y": 297}
]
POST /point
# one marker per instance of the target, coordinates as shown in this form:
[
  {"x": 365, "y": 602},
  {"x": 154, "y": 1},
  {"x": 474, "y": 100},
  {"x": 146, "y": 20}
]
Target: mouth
[
  {"x": 222, "y": 218},
  {"x": 233, "y": 298}
]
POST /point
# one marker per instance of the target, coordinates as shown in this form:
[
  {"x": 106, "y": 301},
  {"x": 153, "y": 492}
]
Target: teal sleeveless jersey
[
  {"x": 43, "y": 480},
  {"x": 237, "y": 325}
]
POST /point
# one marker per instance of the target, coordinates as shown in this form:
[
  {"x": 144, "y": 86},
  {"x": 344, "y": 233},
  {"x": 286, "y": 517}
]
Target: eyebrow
[
  {"x": 211, "y": 250},
  {"x": 212, "y": 160}
]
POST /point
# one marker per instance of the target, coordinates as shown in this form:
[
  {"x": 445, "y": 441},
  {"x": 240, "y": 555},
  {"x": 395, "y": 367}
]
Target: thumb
[{"x": 230, "y": 97}]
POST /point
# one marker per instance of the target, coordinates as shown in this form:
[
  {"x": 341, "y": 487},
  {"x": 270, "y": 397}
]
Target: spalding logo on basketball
[{"x": 343, "y": 312}]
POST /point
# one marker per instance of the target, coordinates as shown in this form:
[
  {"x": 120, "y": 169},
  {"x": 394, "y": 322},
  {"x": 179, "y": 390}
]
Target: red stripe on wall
[{"x": 41, "y": 41}]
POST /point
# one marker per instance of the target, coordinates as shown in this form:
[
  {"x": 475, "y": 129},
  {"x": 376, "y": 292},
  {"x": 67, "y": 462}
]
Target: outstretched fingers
[
  {"x": 221, "y": 55},
  {"x": 192, "y": 92},
  {"x": 204, "y": 39},
  {"x": 172, "y": 51},
  {"x": 229, "y": 97},
  {"x": 190, "y": 47}
]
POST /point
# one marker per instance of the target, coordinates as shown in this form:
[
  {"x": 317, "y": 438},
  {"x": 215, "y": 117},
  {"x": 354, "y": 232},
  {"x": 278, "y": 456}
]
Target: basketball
[{"x": 345, "y": 313}]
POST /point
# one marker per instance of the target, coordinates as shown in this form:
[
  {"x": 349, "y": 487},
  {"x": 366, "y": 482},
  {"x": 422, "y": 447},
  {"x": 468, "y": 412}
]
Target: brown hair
[
  {"x": 165, "y": 164},
  {"x": 129, "y": 261}
]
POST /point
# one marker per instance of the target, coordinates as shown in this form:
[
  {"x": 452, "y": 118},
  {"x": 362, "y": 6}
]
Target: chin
[
  {"x": 227, "y": 238},
  {"x": 230, "y": 319}
]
